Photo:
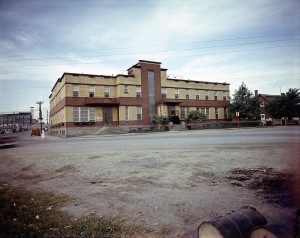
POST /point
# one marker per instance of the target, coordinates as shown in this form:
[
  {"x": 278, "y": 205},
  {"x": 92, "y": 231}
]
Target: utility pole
[
  {"x": 40, "y": 114},
  {"x": 47, "y": 118}
]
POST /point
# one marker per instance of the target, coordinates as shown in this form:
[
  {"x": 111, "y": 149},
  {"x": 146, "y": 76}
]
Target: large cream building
[{"x": 83, "y": 103}]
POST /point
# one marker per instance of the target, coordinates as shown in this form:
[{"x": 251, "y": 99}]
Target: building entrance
[
  {"x": 173, "y": 115},
  {"x": 107, "y": 116}
]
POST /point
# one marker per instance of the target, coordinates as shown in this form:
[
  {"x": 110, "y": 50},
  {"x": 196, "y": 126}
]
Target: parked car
[
  {"x": 35, "y": 132},
  {"x": 8, "y": 140}
]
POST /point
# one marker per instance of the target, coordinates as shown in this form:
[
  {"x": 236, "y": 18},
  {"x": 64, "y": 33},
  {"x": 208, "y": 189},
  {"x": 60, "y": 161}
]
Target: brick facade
[{"x": 83, "y": 103}]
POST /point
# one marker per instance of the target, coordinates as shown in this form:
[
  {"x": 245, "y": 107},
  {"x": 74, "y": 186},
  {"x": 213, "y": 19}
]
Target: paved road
[{"x": 160, "y": 181}]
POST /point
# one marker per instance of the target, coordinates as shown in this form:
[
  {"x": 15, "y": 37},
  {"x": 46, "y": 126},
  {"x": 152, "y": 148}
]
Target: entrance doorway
[
  {"x": 107, "y": 116},
  {"x": 173, "y": 115}
]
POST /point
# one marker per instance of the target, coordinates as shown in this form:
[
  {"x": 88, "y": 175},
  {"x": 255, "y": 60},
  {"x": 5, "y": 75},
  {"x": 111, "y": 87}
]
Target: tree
[
  {"x": 245, "y": 103},
  {"x": 287, "y": 105}
]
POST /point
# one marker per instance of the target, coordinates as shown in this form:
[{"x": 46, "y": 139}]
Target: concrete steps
[{"x": 178, "y": 127}]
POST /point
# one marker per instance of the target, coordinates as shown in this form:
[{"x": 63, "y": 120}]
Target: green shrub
[{"x": 195, "y": 116}]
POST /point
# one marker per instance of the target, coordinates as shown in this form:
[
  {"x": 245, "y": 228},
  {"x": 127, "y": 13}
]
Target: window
[
  {"x": 139, "y": 113},
  {"x": 125, "y": 88},
  {"x": 197, "y": 92},
  {"x": 75, "y": 114},
  {"x": 126, "y": 113},
  {"x": 92, "y": 113},
  {"x": 206, "y": 94},
  {"x": 184, "y": 111},
  {"x": 75, "y": 90},
  {"x": 151, "y": 93},
  {"x": 92, "y": 91},
  {"x": 83, "y": 114},
  {"x": 138, "y": 91},
  {"x": 187, "y": 94},
  {"x": 163, "y": 93},
  {"x": 106, "y": 91},
  {"x": 207, "y": 113},
  {"x": 262, "y": 104},
  {"x": 225, "y": 113},
  {"x": 224, "y": 95},
  {"x": 216, "y": 113},
  {"x": 176, "y": 93},
  {"x": 216, "y": 95}
]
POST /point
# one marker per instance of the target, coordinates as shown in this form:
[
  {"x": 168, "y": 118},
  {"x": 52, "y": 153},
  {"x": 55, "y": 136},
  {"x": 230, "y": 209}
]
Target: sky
[{"x": 252, "y": 41}]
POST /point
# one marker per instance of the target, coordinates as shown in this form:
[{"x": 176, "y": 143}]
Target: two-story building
[
  {"x": 83, "y": 103},
  {"x": 265, "y": 100}
]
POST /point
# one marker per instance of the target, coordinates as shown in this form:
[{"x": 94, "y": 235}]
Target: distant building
[
  {"x": 83, "y": 103},
  {"x": 265, "y": 100},
  {"x": 16, "y": 121}
]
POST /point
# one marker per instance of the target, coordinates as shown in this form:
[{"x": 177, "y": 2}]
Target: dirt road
[{"x": 167, "y": 183}]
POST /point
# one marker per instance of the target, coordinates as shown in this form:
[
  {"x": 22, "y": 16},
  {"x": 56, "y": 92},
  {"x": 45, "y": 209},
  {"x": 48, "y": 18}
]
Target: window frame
[
  {"x": 138, "y": 90},
  {"x": 106, "y": 91},
  {"x": 91, "y": 91},
  {"x": 139, "y": 113},
  {"x": 75, "y": 90},
  {"x": 163, "y": 93}
]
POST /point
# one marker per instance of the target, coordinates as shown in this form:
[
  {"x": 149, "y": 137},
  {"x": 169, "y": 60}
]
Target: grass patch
[{"x": 37, "y": 214}]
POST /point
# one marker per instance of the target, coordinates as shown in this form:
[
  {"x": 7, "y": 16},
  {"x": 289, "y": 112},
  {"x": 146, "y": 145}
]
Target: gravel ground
[{"x": 168, "y": 183}]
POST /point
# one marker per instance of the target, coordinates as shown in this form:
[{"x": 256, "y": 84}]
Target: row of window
[
  {"x": 184, "y": 111},
  {"x": 197, "y": 94},
  {"x": 87, "y": 114},
  {"x": 106, "y": 90},
  {"x": 139, "y": 93}
]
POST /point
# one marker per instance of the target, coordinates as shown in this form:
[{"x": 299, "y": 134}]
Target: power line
[
  {"x": 178, "y": 56},
  {"x": 150, "y": 52},
  {"x": 154, "y": 45}
]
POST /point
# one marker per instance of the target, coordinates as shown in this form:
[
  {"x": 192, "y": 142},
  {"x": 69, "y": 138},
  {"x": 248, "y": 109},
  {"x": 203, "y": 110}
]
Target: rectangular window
[
  {"x": 92, "y": 91},
  {"x": 126, "y": 113},
  {"x": 75, "y": 90},
  {"x": 138, "y": 91},
  {"x": 163, "y": 92},
  {"x": 176, "y": 93},
  {"x": 151, "y": 93},
  {"x": 207, "y": 113},
  {"x": 216, "y": 113},
  {"x": 184, "y": 111},
  {"x": 139, "y": 113},
  {"x": 106, "y": 91},
  {"x": 187, "y": 94},
  {"x": 224, "y": 95},
  {"x": 125, "y": 88},
  {"x": 216, "y": 95},
  {"x": 206, "y": 94},
  {"x": 91, "y": 114},
  {"x": 197, "y": 92},
  {"x": 225, "y": 113},
  {"x": 75, "y": 114},
  {"x": 84, "y": 114}
]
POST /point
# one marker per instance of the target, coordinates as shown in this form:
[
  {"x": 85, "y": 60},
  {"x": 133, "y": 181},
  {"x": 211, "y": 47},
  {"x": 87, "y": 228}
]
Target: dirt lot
[{"x": 166, "y": 183}]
